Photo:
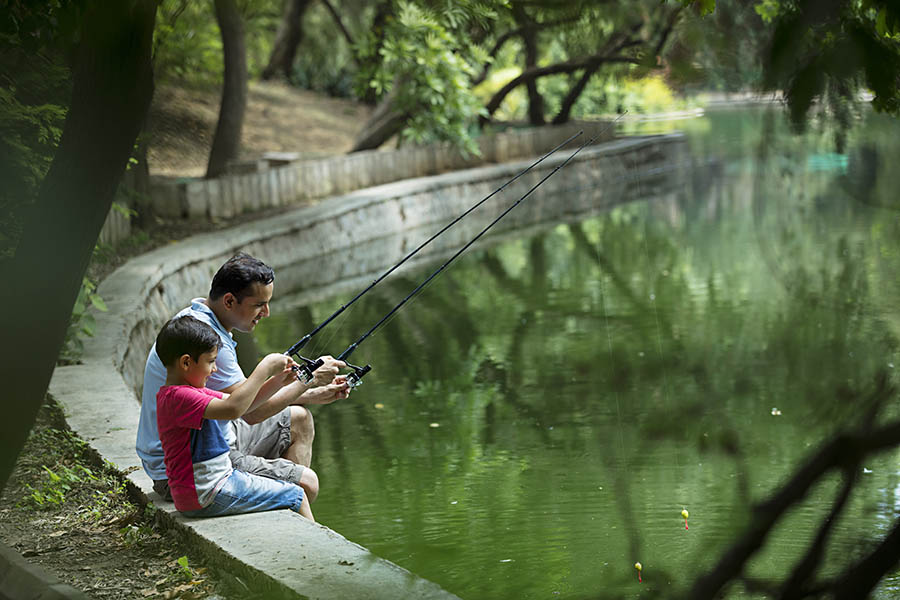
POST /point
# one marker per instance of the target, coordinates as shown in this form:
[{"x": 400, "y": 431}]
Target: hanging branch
[
  {"x": 805, "y": 569},
  {"x": 846, "y": 450}
]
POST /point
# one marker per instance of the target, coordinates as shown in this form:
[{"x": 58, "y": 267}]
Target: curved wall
[{"x": 340, "y": 242}]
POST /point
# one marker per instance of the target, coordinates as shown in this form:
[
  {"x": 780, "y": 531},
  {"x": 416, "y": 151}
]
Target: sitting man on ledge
[{"x": 275, "y": 438}]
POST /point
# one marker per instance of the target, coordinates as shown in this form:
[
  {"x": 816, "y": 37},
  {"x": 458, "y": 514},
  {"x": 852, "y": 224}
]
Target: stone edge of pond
[{"x": 306, "y": 558}]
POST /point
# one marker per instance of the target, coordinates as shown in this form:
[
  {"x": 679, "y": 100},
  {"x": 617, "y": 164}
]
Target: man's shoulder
[{"x": 200, "y": 311}]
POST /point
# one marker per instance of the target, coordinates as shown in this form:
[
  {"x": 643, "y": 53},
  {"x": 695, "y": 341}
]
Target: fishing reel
[
  {"x": 304, "y": 372},
  {"x": 354, "y": 379}
]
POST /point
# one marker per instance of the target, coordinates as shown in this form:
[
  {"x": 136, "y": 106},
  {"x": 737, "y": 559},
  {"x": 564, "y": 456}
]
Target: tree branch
[
  {"x": 339, "y": 22},
  {"x": 516, "y": 33},
  {"x": 844, "y": 450},
  {"x": 568, "y": 66}
]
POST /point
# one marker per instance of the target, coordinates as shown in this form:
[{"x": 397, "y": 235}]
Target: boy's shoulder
[{"x": 186, "y": 392}]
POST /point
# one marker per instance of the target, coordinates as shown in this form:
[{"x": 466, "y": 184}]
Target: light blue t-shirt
[{"x": 228, "y": 372}]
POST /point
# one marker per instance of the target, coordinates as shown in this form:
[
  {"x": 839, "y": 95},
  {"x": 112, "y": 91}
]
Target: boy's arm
[
  {"x": 239, "y": 400},
  {"x": 276, "y": 386}
]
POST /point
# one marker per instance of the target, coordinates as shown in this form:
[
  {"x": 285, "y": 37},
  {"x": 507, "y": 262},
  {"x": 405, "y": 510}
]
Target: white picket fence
[{"x": 278, "y": 180}]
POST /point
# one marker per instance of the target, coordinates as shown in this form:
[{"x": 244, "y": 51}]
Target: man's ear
[
  {"x": 229, "y": 300},
  {"x": 184, "y": 361}
]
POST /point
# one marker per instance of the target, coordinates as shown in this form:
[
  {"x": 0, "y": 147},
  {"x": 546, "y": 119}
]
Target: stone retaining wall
[
  {"x": 280, "y": 181},
  {"x": 317, "y": 248}
]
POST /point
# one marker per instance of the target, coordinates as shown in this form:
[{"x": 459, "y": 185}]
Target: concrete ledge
[{"x": 313, "y": 246}]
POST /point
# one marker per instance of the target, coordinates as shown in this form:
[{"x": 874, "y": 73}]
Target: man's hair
[
  {"x": 237, "y": 275},
  {"x": 185, "y": 335}
]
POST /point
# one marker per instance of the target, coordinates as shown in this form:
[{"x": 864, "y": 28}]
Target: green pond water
[{"x": 537, "y": 419}]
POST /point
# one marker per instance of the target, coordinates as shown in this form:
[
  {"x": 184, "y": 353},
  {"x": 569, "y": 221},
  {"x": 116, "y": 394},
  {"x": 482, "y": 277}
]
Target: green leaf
[
  {"x": 98, "y": 303},
  {"x": 881, "y": 23}
]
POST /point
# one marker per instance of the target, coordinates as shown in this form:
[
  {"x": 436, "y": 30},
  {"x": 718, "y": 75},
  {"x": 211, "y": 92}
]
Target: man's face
[{"x": 255, "y": 306}]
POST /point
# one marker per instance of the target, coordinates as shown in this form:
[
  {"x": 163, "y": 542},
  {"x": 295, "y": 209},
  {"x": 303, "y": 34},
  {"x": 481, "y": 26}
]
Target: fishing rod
[
  {"x": 305, "y": 370},
  {"x": 355, "y": 378}
]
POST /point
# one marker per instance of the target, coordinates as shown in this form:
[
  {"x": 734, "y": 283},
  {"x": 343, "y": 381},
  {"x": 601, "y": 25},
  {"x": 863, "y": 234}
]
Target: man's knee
[
  {"x": 309, "y": 481},
  {"x": 302, "y": 425}
]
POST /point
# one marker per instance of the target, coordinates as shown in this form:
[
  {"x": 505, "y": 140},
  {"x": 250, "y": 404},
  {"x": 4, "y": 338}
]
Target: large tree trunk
[
  {"x": 112, "y": 87},
  {"x": 287, "y": 39},
  {"x": 227, "y": 138},
  {"x": 384, "y": 123}
]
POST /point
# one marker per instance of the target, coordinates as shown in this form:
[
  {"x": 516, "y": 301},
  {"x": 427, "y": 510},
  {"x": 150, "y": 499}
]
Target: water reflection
[{"x": 592, "y": 376}]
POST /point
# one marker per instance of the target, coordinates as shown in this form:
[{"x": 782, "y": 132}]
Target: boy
[{"x": 201, "y": 478}]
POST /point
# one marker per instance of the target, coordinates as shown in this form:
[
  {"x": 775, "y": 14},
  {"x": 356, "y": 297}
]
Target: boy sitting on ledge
[{"x": 201, "y": 478}]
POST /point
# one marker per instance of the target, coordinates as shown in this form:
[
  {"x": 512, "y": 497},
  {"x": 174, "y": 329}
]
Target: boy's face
[
  {"x": 197, "y": 372},
  {"x": 255, "y": 306}
]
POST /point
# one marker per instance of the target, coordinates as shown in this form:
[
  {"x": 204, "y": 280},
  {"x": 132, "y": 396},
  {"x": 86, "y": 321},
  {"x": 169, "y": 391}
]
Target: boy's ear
[{"x": 184, "y": 361}]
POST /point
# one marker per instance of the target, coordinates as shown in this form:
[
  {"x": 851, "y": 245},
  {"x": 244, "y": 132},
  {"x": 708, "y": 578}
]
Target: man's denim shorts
[{"x": 246, "y": 493}]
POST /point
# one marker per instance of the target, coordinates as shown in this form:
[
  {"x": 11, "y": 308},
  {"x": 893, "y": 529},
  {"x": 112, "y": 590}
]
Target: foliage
[
  {"x": 33, "y": 97},
  {"x": 721, "y": 50},
  {"x": 187, "y": 45},
  {"x": 58, "y": 483},
  {"x": 82, "y": 323},
  {"x": 324, "y": 62},
  {"x": 427, "y": 61}
]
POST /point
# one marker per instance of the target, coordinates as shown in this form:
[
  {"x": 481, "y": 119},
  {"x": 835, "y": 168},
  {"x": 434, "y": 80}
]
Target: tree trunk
[
  {"x": 112, "y": 88},
  {"x": 574, "y": 94},
  {"x": 529, "y": 39},
  {"x": 227, "y": 138},
  {"x": 384, "y": 123},
  {"x": 287, "y": 39}
]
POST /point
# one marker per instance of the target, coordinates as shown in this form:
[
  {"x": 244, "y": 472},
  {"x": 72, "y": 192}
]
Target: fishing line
[
  {"x": 355, "y": 377},
  {"x": 304, "y": 371},
  {"x": 648, "y": 275},
  {"x": 653, "y": 299}
]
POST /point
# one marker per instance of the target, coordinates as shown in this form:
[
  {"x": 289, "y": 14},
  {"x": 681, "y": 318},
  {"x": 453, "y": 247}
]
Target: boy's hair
[
  {"x": 185, "y": 335},
  {"x": 237, "y": 275}
]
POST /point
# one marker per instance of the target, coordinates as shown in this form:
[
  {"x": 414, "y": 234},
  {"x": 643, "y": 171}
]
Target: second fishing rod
[
  {"x": 355, "y": 377},
  {"x": 304, "y": 371}
]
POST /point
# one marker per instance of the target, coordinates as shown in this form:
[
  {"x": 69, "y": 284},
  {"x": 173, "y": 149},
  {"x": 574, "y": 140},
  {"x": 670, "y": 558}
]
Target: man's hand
[
  {"x": 326, "y": 374},
  {"x": 338, "y": 389}
]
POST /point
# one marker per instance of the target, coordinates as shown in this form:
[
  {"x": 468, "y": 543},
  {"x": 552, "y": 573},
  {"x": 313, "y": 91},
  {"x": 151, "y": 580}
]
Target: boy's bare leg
[
  {"x": 302, "y": 434},
  {"x": 309, "y": 481},
  {"x": 305, "y": 509}
]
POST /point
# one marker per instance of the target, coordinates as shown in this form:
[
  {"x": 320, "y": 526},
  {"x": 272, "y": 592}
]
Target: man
[{"x": 275, "y": 438}]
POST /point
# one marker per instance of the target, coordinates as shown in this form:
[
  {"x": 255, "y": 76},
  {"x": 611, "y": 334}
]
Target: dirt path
[{"x": 279, "y": 118}]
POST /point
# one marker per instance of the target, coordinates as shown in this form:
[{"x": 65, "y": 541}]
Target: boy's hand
[
  {"x": 327, "y": 372},
  {"x": 275, "y": 363},
  {"x": 288, "y": 375}
]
